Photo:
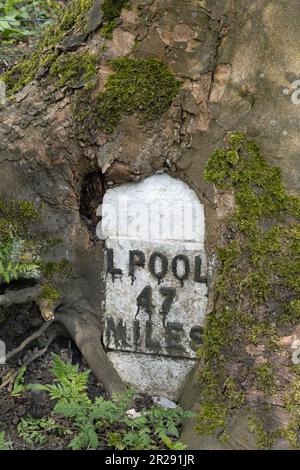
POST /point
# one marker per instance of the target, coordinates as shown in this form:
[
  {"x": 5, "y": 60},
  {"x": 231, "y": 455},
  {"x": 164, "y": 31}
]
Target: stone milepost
[{"x": 156, "y": 285}]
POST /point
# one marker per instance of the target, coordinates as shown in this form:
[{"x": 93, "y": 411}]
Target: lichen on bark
[{"x": 257, "y": 291}]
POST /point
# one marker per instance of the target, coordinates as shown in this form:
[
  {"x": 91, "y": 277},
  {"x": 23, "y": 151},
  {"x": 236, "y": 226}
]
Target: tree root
[
  {"x": 37, "y": 355},
  {"x": 29, "y": 340},
  {"x": 22, "y": 296}
]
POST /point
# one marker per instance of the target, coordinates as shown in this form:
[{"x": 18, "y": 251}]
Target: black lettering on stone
[
  {"x": 136, "y": 258},
  {"x": 118, "y": 331},
  {"x": 198, "y": 270},
  {"x": 136, "y": 333},
  {"x": 196, "y": 334},
  {"x": 187, "y": 268},
  {"x": 150, "y": 343},
  {"x": 164, "y": 266},
  {"x": 174, "y": 332},
  {"x": 170, "y": 294},
  {"x": 144, "y": 302},
  {"x": 111, "y": 267}
]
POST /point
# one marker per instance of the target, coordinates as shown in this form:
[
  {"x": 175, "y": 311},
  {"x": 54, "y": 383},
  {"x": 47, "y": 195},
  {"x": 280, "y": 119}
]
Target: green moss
[
  {"x": 73, "y": 19},
  {"x": 112, "y": 9},
  {"x": 53, "y": 269},
  {"x": 107, "y": 29},
  {"x": 259, "y": 267},
  {"x": 16, "y": 218},
  {"x": 265, "y": 440},
  {"x": 264, "y": 378},
  {"x": 74, "y": 70},
  {"x": 19, "y": 252},
  {"x": 50, "y": 294},
  {"x": 211, "y": 418},
  {"x": 291, "y": 313},
  {"x": 146, "y": 87}
]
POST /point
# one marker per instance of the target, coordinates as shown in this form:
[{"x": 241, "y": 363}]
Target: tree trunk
[{"x": 236, "y": 61}]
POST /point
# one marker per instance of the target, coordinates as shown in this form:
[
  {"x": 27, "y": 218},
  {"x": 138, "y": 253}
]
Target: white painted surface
[
  {"x": 152, "y": 374},
  {"x": 160, "y": 214},
  {"x": 159, "y": 208}
]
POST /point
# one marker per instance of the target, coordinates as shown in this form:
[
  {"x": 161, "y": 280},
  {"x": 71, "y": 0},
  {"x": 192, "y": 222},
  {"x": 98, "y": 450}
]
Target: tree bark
[{"x": 237, "y": 61}]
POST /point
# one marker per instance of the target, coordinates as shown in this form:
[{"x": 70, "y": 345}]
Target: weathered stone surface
[{"x": 156, "y": 291}]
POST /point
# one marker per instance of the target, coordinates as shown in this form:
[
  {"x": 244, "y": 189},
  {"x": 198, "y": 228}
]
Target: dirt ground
[{"x": 19, "y": 324}]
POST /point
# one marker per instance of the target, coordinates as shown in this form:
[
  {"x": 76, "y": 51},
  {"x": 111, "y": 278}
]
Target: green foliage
[
  {"x": 19, "y": 256},
  {"x": 74, "y": 17},
  {"x": 3, "y": 444},
  {"x": 37, "y": 431},
  {"x": 74, "y": 70},
  {"x": 259, "y": 266},
  {"x": 19, "y": 385},
  {"x": 14, "y": 25},
  {"x": 16, "y": 262},
  {"x": 146, "y": 87},
  {"x": 105, "y": 422},
  {"x": 70, "y": 385}
]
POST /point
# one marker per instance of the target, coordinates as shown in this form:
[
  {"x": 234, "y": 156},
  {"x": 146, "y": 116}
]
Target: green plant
[
  {"x": 17, "y": 262},
  {"x": 19, "y": 385},
  {"x": 105, "y": 422},
  {"x": 37, "y": 431},
  {"x": 3, "y": 444},
  {"x": 20, "y": 19},
  {"x": 18, "y": 253},
  {"x": 45, "y": 53}
]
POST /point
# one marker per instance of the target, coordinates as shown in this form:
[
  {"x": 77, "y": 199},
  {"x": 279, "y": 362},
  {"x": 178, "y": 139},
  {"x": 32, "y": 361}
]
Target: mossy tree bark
[{"x": 69, "y": 130}]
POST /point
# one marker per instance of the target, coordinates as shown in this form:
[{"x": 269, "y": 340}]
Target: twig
[
  {"x": 38, "y": 354},
  {"x": 29, "y": 340}
]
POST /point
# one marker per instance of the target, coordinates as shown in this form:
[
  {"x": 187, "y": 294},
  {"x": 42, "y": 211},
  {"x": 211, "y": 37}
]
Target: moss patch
[
  {"x": 74, "y": 20},
  {"x": 74, "y": 70},
  {"x": 19, "y": 252},
  {"x": 50, "y": 294},
  {"x": 112, "y": 9},
  {"x": 146, "y": 87},
  {"x": 54, "y": 269},
  {"x": 16, "y": 218},
  {"x": 258, "y": 281}
]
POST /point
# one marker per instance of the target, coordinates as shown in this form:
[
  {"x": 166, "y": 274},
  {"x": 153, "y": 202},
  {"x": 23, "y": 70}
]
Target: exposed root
[
  {"x": 22, "y": 296},
  {"x": 35, "y": 356},
  {"x": 29, "y": 340}
]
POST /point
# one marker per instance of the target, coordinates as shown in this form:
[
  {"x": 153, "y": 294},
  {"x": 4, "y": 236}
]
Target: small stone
[
  {"x": 164, "y": 402},
  {"x": 132, "y": 414}
]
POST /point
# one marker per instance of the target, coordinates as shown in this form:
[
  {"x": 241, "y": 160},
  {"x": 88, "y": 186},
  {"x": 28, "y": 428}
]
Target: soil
[{"x": 16, "y": 325}]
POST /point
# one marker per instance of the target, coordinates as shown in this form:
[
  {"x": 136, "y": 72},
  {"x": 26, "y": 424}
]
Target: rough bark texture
[{"x": 234, "y": 59}]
